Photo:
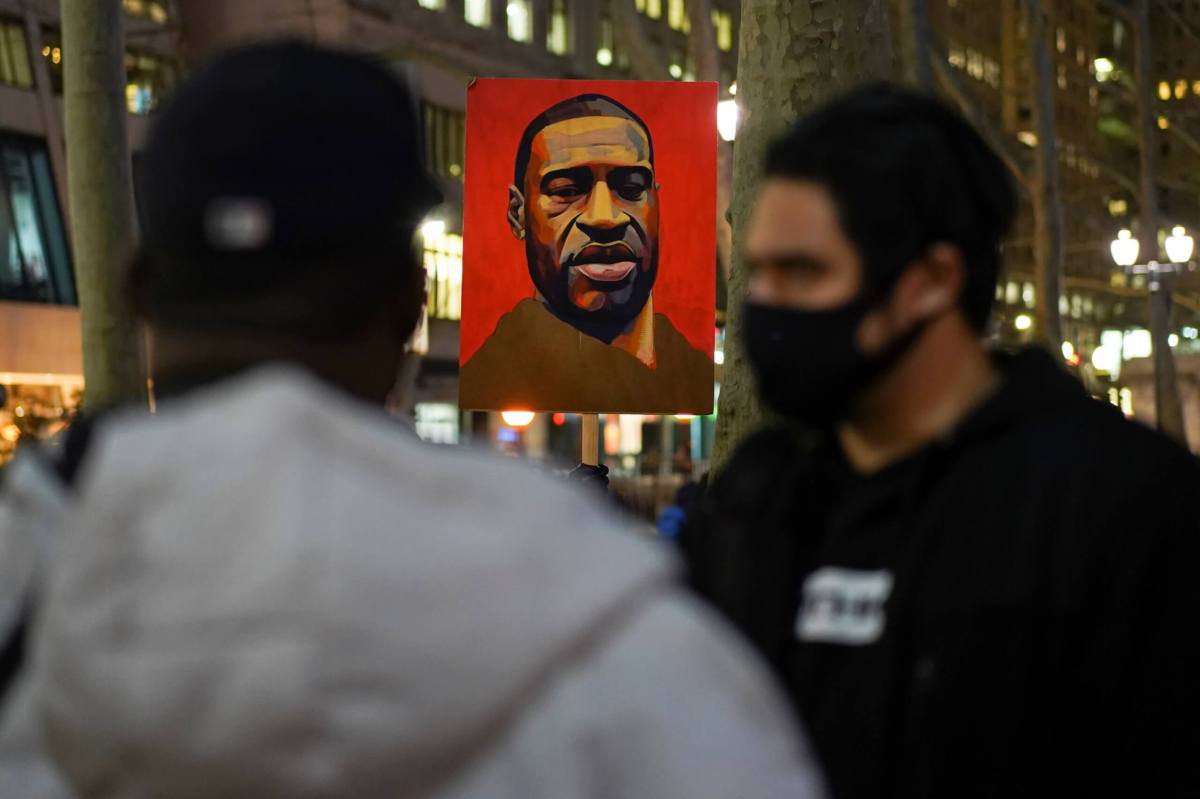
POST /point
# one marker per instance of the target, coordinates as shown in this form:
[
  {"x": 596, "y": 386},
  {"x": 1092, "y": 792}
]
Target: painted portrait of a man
[{"x": 585, "y": 210}]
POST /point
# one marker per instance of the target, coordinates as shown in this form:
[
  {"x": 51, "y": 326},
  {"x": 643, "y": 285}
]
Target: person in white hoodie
[{"x": 271, "y": 589}]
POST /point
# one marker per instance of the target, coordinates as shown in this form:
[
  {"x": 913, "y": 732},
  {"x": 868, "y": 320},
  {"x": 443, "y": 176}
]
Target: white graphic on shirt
[{"x": 844, "y": 606}]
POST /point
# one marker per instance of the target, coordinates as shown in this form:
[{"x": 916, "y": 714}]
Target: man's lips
[
  {"x": 605, "y": 264},
  {"x": 607, "y": 273}
]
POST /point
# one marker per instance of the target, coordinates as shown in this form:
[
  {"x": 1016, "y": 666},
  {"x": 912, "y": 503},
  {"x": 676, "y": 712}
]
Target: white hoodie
[{"x": 269, "y": 589}]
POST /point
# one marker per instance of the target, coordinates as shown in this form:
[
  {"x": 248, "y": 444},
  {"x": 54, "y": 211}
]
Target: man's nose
[{"x": 600, "y": 219}]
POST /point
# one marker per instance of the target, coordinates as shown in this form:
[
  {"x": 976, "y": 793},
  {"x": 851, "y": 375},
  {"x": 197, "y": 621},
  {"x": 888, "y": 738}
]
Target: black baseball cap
[{"x": 276, "y": 156}]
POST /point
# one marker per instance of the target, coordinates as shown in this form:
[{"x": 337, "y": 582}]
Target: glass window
[
  {"x": 146, "y": 9},
  {"x": 677, "y": 14},
  {"x": 723, "y": 25},
  {"x": 478, "y": 12},
  {"x": 437, "y": 422},
  {"x": 34, "y": 265},
  {"x": 445, "y": 140},
  {"x": 558, "y": 33},
  {"x": 14, "y": 56},
  {"x": 148, "y": 78},
  {"x": 651, "y": 8},
  {"x": 604, "y": 44},
  {"x": 520, "y": 20},
  {"x": 443, "y": 267},
  {"x": 432, "y": 5}
]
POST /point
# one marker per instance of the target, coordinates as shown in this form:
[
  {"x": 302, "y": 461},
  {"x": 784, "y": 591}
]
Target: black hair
[
  {"x": 906, "y": 172},
  {"x": 583, "y": 105}
]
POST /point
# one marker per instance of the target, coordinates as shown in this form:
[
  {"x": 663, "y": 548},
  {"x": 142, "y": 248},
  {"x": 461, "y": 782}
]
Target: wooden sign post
[{"x": 590, "y": 455}]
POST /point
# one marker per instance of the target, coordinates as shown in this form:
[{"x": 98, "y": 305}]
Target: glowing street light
[
  {"x": 1023, "y": 322},
  {"x": 1179, "y": 246},
  {"x": 727, "y": 119},
  {"x": 517, "y": 418},
  {"x": 1125, "y": 249},
  {"x": 433, "y": 229}
]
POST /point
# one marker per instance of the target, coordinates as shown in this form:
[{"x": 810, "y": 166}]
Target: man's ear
[
  {"x": 935, "y": 283},
  {"x": 516, "y": 212}
]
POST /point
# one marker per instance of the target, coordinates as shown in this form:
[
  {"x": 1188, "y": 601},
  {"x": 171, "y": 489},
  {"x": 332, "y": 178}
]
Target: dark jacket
[{"x": 1041, "y": 566}]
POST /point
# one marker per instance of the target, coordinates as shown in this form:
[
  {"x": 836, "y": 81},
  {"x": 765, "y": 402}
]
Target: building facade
[{"x": 1093, "y": 57}]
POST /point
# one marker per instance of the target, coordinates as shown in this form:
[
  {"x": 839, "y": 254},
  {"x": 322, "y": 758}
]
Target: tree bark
[
  {"x": 1046, "y": 188},
  {"x": 914, "y": 44},
  {"x": 792, "y": 56},
  {"x": 100, "y": 191},
  {"x": 1168, "y": 408}
]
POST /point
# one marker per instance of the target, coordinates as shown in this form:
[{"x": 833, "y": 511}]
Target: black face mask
[{"x": 808, "y": 364}]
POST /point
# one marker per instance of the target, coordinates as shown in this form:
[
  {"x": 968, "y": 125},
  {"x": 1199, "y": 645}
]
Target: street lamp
[
  {"x": 517, "y": 418},
  {"x": 1179, "y": 246},
  {"x": 1125, "y": 249},
  {"x": 727, "y": 119}
]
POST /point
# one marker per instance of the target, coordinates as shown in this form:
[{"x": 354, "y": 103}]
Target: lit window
[
  {"x": 991, "y": 72},
  {"x": 1061, "y": 40},
  {"x": 34, "y": 262},
  {"x": 558, "y": 37},
  {"x": 604, "y": 47},
  {"x": 654, "y": 9},
  {"x": 1163, "y": 123},
  {"x": 147, "y": 79},
  {"x": 445, "y": 140},
  {"x": 437, "y": 422},
  {"x": 432, "y": 5},
  {"x": 723, "y": 25},
  {"x": 152, "y": 10},
  {"x": 677, "y": 14},
  {"x": 1012, "y": 293},
  {"x": 478, "y": 12},
  {"x": 443, "y": 266},
  {"x": 1164, "y": 90},
  {"x": 1196, "y": 88},
  {"x": 1181, "y": 89},
  {"x": 957, "y": 58},
  {"x": 1028, "y": 295},
  {"x": 14, "y": 56},
  {"x": 520, "y": 22},
  {"x": 1127, "y": 401}
]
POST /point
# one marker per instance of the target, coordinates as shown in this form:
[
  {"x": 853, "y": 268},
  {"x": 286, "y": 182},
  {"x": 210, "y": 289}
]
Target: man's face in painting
[{"x": 588, "y": 211}]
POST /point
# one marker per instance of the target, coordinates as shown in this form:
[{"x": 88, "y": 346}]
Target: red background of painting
[{"x": 683, "y": 124}]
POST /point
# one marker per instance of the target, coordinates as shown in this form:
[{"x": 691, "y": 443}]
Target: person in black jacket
[{"x": 975, "y": 580}]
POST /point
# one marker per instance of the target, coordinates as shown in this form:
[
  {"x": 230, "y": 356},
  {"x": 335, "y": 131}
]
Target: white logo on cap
[{"x": 238, "y": 223}]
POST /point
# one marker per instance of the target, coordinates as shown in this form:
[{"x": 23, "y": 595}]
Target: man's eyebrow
[
  {"x": 578, "y": 174},
  {"x": 628, "y": 171}
]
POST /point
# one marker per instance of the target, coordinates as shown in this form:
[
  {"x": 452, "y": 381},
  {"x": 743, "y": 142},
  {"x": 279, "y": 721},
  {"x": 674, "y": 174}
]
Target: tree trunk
[
  {"x": 793, "y": 55},
  {"x": 1046, "y": 188},
  {"x": 914, "y": 44},
  {"x": 100, "y": 190},
  {"x": 1168, "y": 409}
]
